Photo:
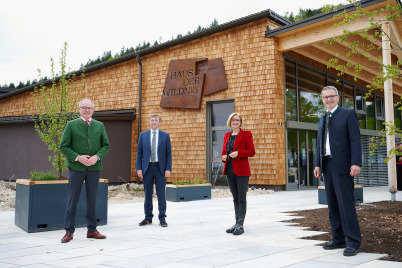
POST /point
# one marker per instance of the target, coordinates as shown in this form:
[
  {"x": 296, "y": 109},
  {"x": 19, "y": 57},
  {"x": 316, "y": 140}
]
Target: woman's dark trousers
[{"x": 238, "y": 186}]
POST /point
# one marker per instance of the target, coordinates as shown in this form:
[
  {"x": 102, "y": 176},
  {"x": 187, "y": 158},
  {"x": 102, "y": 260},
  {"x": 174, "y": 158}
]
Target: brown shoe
[
  {"x": 67, "y": 237},
  {"x": 96, "y": 235}
]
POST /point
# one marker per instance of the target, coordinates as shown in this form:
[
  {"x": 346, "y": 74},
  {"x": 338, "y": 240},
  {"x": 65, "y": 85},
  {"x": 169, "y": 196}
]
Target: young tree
[
  {"x": 373, "y": 43},
  {"x": 53, "y": 106}
]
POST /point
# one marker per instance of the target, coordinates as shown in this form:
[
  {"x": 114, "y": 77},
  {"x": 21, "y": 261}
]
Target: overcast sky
[{"x": 33, "y": 31}]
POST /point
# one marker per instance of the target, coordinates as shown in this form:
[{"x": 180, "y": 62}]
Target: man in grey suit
[
  {"x": 154, "y": 165},
  {"x": 339, "y": 158}
]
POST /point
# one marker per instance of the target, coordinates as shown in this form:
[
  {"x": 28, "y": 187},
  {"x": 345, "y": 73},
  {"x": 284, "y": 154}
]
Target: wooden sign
[
  {"x": 215, "y": 75},
  {"x": 187, "y": 80}
]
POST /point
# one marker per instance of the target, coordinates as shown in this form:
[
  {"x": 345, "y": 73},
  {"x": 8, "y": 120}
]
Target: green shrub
[
  {"x": 43, "y": 176},
  {"x": 189, "y": 182},
  {"x": 35, "y": 175}
]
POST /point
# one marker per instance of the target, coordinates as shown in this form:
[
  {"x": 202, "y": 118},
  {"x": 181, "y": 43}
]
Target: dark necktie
[
  {"x": 153, "y": 147},
  {"x": 324, "y": 140}
]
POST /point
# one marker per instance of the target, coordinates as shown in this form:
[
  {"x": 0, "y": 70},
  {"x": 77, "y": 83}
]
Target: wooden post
[{"x": 389, "y": 109}]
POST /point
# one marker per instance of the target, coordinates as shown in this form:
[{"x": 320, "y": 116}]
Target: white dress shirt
[{"x": 327, "y": 147}]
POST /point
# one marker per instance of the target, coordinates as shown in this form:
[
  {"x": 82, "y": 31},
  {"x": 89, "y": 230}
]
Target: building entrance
[
  {"x": 217, "y": 116},
  {"x": 301, "y": 152}
]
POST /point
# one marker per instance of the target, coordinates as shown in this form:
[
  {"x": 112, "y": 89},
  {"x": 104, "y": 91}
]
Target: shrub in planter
[{"x": 188, "y": 190}]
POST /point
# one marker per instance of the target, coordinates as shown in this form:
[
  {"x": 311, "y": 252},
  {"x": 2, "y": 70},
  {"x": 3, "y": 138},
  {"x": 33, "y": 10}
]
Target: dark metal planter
[
  {"x": 358, "y": 195},
  {"x": 41, "y": 205},
  {"x": 180, "y": 193}
]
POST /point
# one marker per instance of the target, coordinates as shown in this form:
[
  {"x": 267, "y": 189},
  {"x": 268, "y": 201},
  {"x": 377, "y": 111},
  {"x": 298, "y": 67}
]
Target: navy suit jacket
[
  {"x": 344, "y": 140},
  {"x": 144, "y": 152}
]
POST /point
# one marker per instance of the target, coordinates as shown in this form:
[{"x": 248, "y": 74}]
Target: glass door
[
  {"x": 301, "y": 149},
  {"x": 312, "y": 149},
  {"x": 293, "y": 159},
  {"x": 217, "y": 115}
]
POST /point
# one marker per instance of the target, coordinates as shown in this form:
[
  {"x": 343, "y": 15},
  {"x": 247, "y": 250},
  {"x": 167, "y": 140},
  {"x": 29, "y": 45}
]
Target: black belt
[
  {"x": 153, "y": 163},
  {"x": 327, "y": 157}
]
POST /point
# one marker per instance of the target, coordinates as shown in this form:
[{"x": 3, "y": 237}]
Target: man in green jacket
[{"x": 85, "y": 144}]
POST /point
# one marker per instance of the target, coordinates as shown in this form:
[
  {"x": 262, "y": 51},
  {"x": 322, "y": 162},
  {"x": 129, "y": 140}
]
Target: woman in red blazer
[{"x": 237, "y": 148}]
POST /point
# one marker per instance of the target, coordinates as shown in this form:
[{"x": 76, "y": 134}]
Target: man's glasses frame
[{"x": 329, "y": 97}]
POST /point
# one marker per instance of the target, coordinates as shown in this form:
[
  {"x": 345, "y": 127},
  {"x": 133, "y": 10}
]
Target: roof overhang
[{"x": 307, "y": 38}]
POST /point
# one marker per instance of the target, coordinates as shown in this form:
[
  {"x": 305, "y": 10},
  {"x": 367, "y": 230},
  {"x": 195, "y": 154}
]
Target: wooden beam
[
  {"x": 307, "y": 36},
  {"x": 324, "y": 57},
  {"x": 321, "y": 56},
  {"x": 370, "y": 66},
  {"x": 337, "y": 48},
  {"x": 372, "y": 54},
  {"x": 396, "y": 40}
]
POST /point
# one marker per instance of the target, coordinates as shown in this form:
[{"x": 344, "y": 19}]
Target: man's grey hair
[
  {"x": 329, "y": 87},
  {"x": 93, "y": 104},
  {"x": 155, "y": 115}
]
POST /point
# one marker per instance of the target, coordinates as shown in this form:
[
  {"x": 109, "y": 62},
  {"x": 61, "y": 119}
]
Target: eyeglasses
[
  {"x": 329, "y": 97},
  {"x": 235, "y": 120},
  {"x": 86, "y": 108}
]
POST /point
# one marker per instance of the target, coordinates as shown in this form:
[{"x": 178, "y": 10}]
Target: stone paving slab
[{"x": 195, "y": 238}]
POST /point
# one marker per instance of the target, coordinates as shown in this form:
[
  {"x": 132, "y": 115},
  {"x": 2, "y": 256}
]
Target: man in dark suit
[
  {"x": 154, "y": 164},
  {"x": 85, "y": 144},
  {"x": 339, "y": 158}
]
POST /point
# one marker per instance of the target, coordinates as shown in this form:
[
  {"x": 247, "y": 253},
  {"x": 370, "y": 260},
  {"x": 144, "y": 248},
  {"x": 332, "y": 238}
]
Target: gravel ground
[
  {"x": 7, "y": 195},
  {"x": 130, "y": 192}
]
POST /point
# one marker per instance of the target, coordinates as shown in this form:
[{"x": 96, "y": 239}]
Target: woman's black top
[{"x": 229, "y": 149}]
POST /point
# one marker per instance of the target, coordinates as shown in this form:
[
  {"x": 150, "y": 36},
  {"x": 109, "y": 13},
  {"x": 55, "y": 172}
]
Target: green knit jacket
[{"x": 81, "y": 139}]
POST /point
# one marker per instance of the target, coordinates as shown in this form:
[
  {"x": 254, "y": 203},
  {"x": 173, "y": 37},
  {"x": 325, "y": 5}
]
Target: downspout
[{"x": 139, "y": 97}]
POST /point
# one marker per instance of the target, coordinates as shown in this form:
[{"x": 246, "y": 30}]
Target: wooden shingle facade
[{"x": 255, "y": 73}]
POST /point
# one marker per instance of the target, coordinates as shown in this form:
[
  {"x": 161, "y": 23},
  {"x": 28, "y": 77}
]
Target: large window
[
  {"x": 310, "y": 84},
  {"x": 370, "y": 112},
  {"x": 348, "y": 96},
  {"x": 379, "y": 110},
  {"x": 303, "y": 97},
  {"x": 291, "y": 92},
  {"x": 397, "y": 116}
]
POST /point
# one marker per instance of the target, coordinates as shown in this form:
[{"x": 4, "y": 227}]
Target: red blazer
[{"x": 245, "y": 148}]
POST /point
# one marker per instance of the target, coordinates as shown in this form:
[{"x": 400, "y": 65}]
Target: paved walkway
[{"x": 195, "y": 238}]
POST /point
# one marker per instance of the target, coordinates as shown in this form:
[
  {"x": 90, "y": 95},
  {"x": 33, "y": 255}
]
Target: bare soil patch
[{"x": 380, "y": 225}]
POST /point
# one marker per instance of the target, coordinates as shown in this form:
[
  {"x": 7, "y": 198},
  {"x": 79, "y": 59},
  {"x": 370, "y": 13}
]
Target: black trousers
[
  {"x": 341, "y": 206},
  {"x": 238, "y": 186},
  {"x": 76, "y": 179}
]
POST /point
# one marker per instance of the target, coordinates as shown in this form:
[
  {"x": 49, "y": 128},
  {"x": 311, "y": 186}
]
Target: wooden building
[{"x": 274, "y": 69}]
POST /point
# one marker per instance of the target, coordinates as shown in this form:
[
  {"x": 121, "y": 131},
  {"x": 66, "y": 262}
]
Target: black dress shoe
[
  {"x": 333, "y": 245},
  {"x": 145, "y": 222},
  {"x": 349, "y": 251},
  {"x": 231, "y": 229},
  {"x": 238, "y": 230},
  {"x": 162, "y": 222}
]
